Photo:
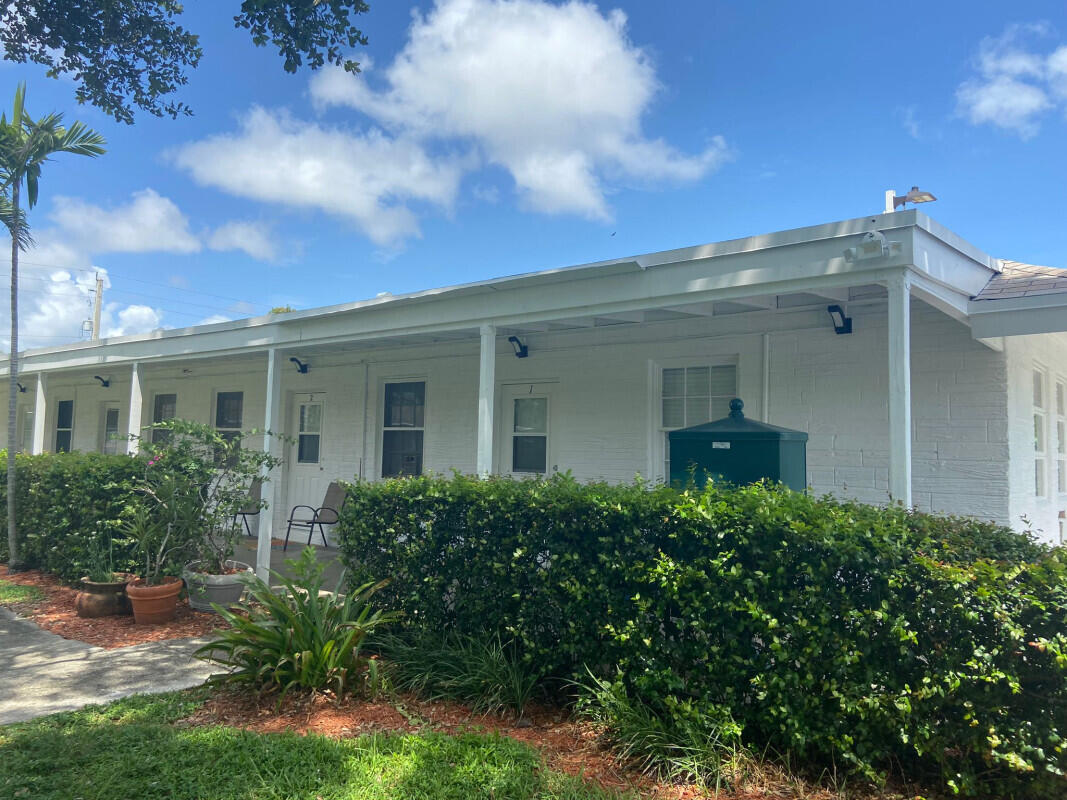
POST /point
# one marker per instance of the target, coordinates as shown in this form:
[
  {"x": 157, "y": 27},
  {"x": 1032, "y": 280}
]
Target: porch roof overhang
[{"x": 711, "y": 279}]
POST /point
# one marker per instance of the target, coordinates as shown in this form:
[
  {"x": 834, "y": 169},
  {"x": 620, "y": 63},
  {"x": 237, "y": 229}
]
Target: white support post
[
  {"x": 133, "y": 425},
  {"x": 40, "y": 412},
  {"x": 272, "y": 422},
  {"x": 900, "y": 388},
  {"x": 486, "y": 399}
]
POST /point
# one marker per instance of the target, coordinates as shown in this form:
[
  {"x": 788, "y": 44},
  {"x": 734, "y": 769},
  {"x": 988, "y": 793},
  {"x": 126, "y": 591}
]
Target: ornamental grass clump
[{"x": 298, "y": 636}]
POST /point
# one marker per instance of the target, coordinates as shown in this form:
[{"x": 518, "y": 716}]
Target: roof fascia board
[
  {"x": 948, "y": 265},
  {"x": 1019, "y": 316}
]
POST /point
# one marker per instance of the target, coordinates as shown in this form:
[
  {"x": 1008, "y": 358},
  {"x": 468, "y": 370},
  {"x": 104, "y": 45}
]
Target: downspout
[
  {"x": 366, "y": 399},
  {"x": 765, "y": 406}
]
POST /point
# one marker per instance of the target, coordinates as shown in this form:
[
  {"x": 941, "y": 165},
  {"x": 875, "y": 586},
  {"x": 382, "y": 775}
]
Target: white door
[
  {"x": 307, "y": 465},
  {"x": 526, "y": 430}
]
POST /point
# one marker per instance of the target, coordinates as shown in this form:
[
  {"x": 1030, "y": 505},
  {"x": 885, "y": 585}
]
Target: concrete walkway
[{"x": 41, "y": 673}]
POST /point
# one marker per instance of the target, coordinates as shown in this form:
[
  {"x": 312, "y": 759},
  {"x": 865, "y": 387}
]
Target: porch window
[
  {"x": 112, "y": 438},
  {"x": 229, "y": 408},
  {"x": 1040, "y": 435},
  {"x": 529, "y": 435},
  {"x": 164, "y": 407},
  {"x": 1061, "y": 437},
  {"x": 692, "y": 396},
  {"x": 403, "y": 427},
  {"x": 64, "y": 425},
  {"x": 309, "y": 433},
  {"x": 26, "y": 434}
]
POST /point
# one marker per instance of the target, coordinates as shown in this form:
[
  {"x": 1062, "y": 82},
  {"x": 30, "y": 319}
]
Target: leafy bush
[
  {"x": 69, "y": 507},
  {"x": 482, "y": 672},
  {"x": 684, "y": 740},
  {"x": 300, "y": 636},
  {"x": 834, "y": 632}
]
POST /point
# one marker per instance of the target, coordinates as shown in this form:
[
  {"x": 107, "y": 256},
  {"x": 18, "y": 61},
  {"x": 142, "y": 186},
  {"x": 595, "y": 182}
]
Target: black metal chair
[
  {"x": 326, "y": 514},
  {"x": 252, "y": 508}
]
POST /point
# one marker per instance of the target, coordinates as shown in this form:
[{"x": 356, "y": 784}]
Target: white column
[
  {"x": 40, "y": 413},
  {"x": 486, "y": 399},
  {"x": 272, "y": 422},
  {"x": 133, "y": 424},
  {"x": 900, "y": 388}
]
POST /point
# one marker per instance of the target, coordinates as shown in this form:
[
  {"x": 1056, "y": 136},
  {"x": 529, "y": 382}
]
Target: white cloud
[
  {"x": 253, "y": 238},
  {"x": 365, "y": 176},
  {"x": 553, "y": 93},
  {"x": 148, "y": 223},
  {"x": 214, "y": 318},
  {"x": 57, "y": 303},
  {"x": 1016, "y": 83}
]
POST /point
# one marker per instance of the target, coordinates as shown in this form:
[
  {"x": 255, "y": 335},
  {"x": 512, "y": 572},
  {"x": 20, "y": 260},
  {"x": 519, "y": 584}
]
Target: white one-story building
[{"x": 922, "y": 369}]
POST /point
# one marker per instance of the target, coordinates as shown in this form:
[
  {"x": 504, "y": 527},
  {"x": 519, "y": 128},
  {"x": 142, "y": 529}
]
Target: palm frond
[{"x": 9, "y": 216}]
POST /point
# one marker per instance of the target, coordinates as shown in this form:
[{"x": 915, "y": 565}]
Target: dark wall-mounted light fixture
[
  {"x": 21, "y": 388},
  {"x": 521, "y": 350},
  {"x": 301, "y": 367},
  {"x": 842, "y": 324},
  {"x": 103, "y": 381}
]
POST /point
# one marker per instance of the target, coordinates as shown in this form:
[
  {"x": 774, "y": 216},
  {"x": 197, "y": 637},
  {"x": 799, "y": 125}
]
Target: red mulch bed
[
  {"x": 565, "y": 744},
  {"x": 56, "y": 614}
]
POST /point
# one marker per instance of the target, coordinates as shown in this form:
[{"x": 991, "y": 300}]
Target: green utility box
[{"x": 739, "y": 451}]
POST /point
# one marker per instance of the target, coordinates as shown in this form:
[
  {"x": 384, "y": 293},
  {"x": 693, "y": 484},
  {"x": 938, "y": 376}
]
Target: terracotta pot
[
  {"x": 154, "y": 605},
  {"x": 102, "y": 598},
  {"x": 206, "y": 588}
]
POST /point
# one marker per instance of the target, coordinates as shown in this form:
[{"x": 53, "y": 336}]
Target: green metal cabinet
[{"x": 739, "y": 451}]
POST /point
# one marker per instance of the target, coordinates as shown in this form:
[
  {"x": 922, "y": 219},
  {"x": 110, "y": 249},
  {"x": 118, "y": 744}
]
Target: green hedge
[
  {"x": 837, "y": 633},
  {"x": 68, "y": 504}
]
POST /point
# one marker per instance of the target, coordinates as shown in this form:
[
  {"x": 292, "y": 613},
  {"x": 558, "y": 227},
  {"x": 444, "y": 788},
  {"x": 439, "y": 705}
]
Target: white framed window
[
  {"x": 1040, "y": 433},
  {"x": 26, "y": 429},
  {"x": 164, "y": 407},
  {"x": 692, "y": 395},
  {"x": 229, "y": 413},
  {"x": 309, "y": 432},
  {"x": 403, "y": 428},
  {"x": 113, "y": 439},
  {"x": 64, "y": 426},
  {"x": 1061, "y": 436},
  {"x": 529, "y": 434}
]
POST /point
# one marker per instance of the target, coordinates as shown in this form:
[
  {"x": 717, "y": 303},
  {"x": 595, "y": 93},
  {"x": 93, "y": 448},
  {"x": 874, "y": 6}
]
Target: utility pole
[{"x": 97, "y": 302}]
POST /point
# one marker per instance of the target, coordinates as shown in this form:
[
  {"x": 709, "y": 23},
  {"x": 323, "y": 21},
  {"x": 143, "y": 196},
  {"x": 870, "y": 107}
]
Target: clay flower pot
[
  {"x": 103, "y": 598},
  {"x": 154, "y": 605}
]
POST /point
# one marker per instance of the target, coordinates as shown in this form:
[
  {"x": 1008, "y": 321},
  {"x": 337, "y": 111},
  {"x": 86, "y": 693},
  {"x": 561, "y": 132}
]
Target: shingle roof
[{"x": 1023, "y": 280}]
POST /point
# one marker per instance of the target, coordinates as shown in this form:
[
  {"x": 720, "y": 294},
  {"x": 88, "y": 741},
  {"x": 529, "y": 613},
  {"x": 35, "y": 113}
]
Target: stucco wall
[
  {"x": 1025, "y": 353},
  {"x": 604, "y": 401}
]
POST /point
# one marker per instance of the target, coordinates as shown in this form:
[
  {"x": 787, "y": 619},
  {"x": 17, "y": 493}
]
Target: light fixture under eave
[
  {"x": 301, "y": 367},
  {"x": 105, "y": 382},
  {"x": 893, "y": 201},
  {"x": 21, "y": 388},
  {"x": 842, "y": 324},
  {"x": 521, "y": 350}
]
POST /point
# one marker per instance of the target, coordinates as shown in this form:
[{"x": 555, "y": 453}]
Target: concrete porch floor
[{"x": 329, "y": 556}]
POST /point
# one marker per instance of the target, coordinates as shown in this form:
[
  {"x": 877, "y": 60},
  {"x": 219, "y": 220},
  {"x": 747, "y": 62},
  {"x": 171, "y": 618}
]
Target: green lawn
[
  {"x": 13, "y": 593},
  {"x": 132, "y": 749}
]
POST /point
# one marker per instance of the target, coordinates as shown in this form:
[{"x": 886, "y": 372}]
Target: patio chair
[
  {"x": 326, "y": 514},
  {"x": 252, "y": 508}
]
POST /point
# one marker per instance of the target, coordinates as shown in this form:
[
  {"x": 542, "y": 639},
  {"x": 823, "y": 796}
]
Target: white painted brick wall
[
  {"x": 604, "y": 408},
  {"x": 1024, "y": 353}
]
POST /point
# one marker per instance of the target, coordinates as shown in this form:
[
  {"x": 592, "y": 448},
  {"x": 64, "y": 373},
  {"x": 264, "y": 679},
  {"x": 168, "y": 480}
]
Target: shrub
[
  {"x": 482, "y": 672},
  {"x": 299, "y": 637},
  {"x": 834, "y": 632},
  {"x": 68, "y": 508},
  {"x": 684, "y": 740}
]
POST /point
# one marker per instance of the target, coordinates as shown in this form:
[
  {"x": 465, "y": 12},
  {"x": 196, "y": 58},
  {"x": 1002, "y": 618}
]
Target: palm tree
[{"x": 25, "y": 145}]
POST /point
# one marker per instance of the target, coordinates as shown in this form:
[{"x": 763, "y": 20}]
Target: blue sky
[{"x": 492, "y": 137}]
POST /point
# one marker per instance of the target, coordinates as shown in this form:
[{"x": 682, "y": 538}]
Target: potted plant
[
  {"x": 223, "y": 472},
  {"x": 164, "y": 527},
  {"x": 103, "y": 591}
]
